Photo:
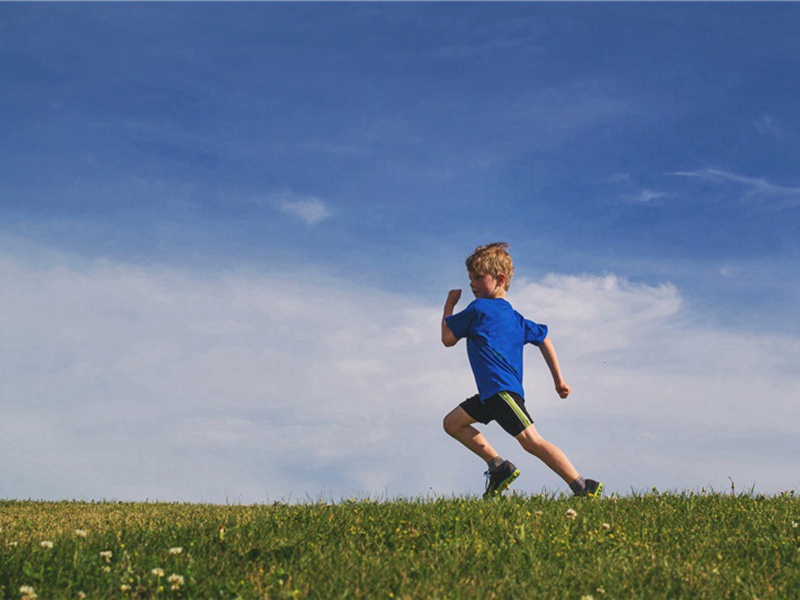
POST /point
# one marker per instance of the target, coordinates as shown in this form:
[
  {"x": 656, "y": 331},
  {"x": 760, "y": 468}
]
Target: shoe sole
[{"x": 504, "y": 485}]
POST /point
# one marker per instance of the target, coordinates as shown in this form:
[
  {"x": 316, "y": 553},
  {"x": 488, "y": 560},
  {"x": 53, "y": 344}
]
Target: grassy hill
[{"x": 654, "y": 545}]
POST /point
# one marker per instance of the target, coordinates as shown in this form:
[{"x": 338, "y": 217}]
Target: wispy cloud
[
  {"x": 646, "y": 196},
  {"x": 753, "y": 188},
  {"x": 309, "y": 209},
  {"x": 769, "y": 125},
  {"x": 632, "y": 192},
  {"x": 566, "y": 110}
]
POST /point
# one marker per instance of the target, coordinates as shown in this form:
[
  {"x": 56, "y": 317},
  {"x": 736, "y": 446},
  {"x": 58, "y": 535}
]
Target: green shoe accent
[
  {"x": 594, "y": 489},
  {"x": 500, "y": 480}
]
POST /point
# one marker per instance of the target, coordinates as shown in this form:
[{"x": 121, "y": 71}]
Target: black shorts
[{"x": 507, "y": 408}]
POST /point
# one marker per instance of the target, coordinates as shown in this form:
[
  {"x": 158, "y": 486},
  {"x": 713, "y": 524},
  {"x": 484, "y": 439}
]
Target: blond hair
[{"x": 492, "y": 259}]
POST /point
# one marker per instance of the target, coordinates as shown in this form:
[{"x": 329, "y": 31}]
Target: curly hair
[{"x": 492, "y": 259}]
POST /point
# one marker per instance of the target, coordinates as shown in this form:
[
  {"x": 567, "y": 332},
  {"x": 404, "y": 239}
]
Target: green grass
[{"x": 655, "y": 545}]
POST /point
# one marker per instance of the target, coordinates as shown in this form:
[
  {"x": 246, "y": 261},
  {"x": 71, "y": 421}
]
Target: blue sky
[{"x": 226, "y": 231}]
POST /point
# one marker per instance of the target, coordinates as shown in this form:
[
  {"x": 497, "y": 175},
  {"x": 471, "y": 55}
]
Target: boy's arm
[
  {"x": 549, "y": 354},
  {"x": 448, "y": 339}
]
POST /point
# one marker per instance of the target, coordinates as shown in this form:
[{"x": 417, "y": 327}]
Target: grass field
[{"x": 653, "y": 545}]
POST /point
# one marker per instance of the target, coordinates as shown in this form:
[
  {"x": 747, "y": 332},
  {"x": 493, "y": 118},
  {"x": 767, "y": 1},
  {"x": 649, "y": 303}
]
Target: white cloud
[
  {"x": 754, "y": 188},
  {"x": 121, "y": 382},
  {"x": 562, "y": 111},
  {"x": 769, "y": 125},
  {"x": 677, "y": 403},
  {"x": 645, "y": 196},
  {"x": 133, "y": 383},
  {"x": 309, "y": 209},
  {"x": 632, "y": 191}
]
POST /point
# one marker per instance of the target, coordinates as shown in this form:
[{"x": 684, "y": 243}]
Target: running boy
[{"x": 496, "y": 334}]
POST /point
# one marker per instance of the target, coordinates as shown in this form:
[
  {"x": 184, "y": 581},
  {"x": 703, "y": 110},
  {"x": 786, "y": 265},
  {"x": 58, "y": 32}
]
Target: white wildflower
[
  {"x": 27, "y": 592},
  {"x": 81, "y": 533},
  {"x": 158, "y": 572},
  {"x": 571, "y": 514},
  {"x": 176, "y": 550},
  {"x": 124, "y": 588},
  {"x": 47, "y": 544},
  {"x": 175, "y": 581},
  {"x": 107, "y": 554},
  {"x": 606, "y": 526}
]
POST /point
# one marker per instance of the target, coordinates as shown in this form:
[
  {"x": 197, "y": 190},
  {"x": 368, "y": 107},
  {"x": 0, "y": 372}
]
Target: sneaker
[
  {"x": 499, "y": 479},
  {"x": 594, "y": 489}
]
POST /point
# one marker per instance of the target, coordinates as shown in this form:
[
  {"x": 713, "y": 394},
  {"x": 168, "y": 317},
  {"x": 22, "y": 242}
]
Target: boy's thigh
[{"x": 507, "y": 408}]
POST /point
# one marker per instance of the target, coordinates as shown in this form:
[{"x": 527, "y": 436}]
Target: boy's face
[{"x": 484, "y": 285}]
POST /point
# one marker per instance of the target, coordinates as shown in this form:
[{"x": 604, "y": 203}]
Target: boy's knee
[
  {"x": 450, "y": 423},
  {"x": 531, "y": 441}
]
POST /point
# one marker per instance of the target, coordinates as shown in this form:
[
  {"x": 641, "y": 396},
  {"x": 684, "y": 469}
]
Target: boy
[{"x": 496, "y": 334}]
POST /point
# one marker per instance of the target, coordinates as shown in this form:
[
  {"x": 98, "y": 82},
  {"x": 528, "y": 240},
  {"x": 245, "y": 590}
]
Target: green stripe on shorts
[{"x": 515, "y": 407}]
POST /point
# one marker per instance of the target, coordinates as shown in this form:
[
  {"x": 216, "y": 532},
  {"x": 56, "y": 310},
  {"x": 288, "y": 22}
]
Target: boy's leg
[
  {"x": 548, "y": 453},
  {"x": 458, "y": 424},
  {"x": 501, "y": 473}
]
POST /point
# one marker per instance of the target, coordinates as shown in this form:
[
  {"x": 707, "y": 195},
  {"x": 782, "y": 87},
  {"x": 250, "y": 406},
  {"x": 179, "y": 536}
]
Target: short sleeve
[
  {"x": 460, "y": 323},
  {"x": 534, "y": 333}
]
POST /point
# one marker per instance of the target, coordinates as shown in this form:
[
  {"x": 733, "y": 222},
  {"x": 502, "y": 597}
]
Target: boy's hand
[
  {"x": 448, "y": 339},
  {"x": 563, "y": 389},
  {"x": 453, "y": 296}
]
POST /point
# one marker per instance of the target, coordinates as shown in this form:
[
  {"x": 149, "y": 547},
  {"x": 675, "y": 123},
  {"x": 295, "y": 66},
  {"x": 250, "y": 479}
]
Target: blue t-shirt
[{"x": 496, "y": 335}]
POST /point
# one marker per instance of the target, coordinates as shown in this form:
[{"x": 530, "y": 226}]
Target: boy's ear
[{"x": 501, "y": 279}]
